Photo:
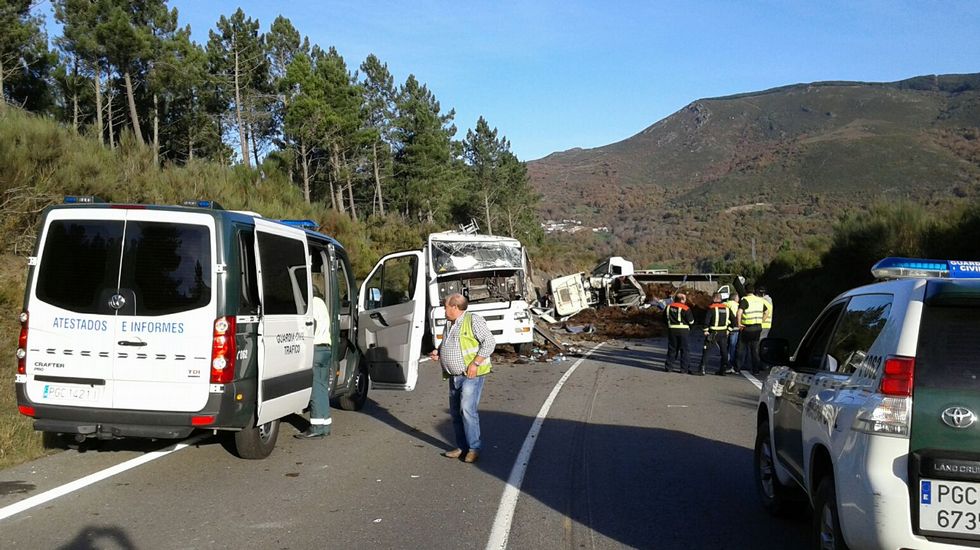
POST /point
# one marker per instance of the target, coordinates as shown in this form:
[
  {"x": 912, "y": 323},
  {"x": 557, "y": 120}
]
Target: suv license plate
[
  {"x": 55, "y": 392},
  {"x": 949, "y": 506}
]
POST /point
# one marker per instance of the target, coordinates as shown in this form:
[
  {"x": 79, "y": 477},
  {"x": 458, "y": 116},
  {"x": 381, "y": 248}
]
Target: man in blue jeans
[
  {"x": 320, "y": 420},
  {"x": 464, "y": 355}
]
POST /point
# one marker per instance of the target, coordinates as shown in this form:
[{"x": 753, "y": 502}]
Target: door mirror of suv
[{"x": 774, "y": 351}]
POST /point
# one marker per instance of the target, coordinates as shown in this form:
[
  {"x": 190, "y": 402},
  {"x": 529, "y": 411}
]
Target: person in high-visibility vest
[
  {"x": 767, "y": 322},
  {"x": 679, "y": 320},
  {"x": 752, "y": 311},
  {"x": 718, "y": 320},
  {"x": 732, "y": 304},
  {"x": 464, "y": 355}
]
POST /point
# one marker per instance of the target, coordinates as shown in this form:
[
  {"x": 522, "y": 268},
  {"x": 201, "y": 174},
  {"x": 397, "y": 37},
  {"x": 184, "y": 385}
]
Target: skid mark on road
[
  {"x": 67, "y": 488},
  {"x": 508, "y": 501}
]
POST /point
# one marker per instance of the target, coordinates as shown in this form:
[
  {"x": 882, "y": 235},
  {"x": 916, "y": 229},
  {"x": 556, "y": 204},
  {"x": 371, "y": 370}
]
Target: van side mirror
[{"x": 774, "y": 351}]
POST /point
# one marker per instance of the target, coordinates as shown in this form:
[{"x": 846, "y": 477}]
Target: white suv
[{"x": 873, "y": 419}]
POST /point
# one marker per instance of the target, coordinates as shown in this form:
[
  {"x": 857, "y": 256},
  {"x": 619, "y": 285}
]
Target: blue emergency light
[
  {"x": 302, "y": 224},
  {"x": 904, "y": 268},
  {"x": 213, "y": 205},
  {"x": 81, "y": 199}
]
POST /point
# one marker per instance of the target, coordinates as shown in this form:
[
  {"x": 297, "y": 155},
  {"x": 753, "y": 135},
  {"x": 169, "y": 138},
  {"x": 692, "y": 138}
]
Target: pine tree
[
  {"x": 25, "y": 61},
  {"x": 379, "y": 103}
]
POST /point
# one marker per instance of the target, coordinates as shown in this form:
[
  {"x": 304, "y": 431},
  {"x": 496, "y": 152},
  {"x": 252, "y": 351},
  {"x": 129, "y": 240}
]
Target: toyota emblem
[
  {"x": 959, "y": 417},
  {"x": 117, "y": 301}
]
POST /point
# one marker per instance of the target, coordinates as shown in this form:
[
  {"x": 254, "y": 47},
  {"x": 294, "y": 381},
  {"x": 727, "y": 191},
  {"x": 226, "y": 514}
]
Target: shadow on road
[{"x": 100, "y": 537}]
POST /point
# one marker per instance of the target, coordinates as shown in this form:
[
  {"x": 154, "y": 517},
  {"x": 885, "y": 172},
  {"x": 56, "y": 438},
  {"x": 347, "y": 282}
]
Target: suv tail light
[
  {"x": 898, "y": 374},
  {"x": 223, "y": 350},
  {"x": 22, "y": 345},
  {"x": 889, "y": 412}
]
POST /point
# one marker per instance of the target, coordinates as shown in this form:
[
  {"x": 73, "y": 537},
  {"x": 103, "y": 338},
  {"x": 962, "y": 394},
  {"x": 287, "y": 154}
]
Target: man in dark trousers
[
  {"x": 718, "y": 321},
  {"x": 679, "y": 320},
  {"x": 753, "y": 311}
]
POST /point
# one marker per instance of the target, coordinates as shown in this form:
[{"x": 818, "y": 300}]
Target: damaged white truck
[{"x": 492, "y": 272}]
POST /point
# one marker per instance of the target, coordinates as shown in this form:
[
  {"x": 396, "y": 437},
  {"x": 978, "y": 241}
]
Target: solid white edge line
[
  {"x": 80, "y": 483},
  {"x": 752, "y": 379},
  {"x": 512, "y": 491}
]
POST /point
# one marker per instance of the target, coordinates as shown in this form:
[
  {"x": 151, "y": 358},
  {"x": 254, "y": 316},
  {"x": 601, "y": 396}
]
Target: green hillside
[{"x": 779, "y": 165}]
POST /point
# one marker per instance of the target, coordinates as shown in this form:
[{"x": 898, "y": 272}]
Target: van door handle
[
  {"x": 134, "y": 344},
  {"x": 379, "y": 318},
  {"x": 309, "y": 323}
]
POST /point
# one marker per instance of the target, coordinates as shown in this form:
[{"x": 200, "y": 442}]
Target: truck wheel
[
  {"x": 827, "y": 534},
  {"x": 256, "y": 442},
  {"x": 354, "y": 401},
  {"x": 777, "y": 499}
]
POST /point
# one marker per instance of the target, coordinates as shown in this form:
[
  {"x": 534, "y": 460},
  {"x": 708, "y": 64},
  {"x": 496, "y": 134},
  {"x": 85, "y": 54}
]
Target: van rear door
[
  {"x": 391, "y": 319},
  {"x": 285, "y": 328},
  {"x": 117, "y": 303}
]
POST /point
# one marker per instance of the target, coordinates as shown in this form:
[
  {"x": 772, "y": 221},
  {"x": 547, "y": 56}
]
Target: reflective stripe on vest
[
  {"x": 469, "y": 345},
  {"x": 753, "y": 314},
  {"x": 719, "y": 317},
  {"x": 677, "y": 319}
]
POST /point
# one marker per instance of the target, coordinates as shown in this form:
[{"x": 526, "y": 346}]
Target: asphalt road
[{"x": 628, "y": 456}]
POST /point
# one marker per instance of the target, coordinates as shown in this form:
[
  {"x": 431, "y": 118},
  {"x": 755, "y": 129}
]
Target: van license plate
[
  {"x": 55, "y": 392},
  {"x": 949, "y": 506}
]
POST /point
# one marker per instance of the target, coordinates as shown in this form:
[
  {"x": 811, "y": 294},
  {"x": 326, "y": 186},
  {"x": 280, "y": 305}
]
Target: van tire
[
  {"x": 257, "y": 442},
  {"x": 354, "y": 400}
]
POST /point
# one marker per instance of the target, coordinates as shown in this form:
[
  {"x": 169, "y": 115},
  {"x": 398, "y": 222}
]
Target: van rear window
[
  {"x": 948, "y": 348},
  {"x": 80, "y": 264},
  {"x": 165, "y": 267}
]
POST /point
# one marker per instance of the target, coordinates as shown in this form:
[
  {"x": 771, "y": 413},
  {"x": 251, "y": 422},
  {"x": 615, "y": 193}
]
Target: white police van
[
  {"x": 873, "y": 419},
  {"x": 154, "y": 321}
]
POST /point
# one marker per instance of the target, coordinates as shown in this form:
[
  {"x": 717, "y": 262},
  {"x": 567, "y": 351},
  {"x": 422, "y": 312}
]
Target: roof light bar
[
  {"x": 213, "y": 205},
  {"x": 302, "y": 224},
  {"x": 81, "y": 199},
  {"x": 904, "y": 268}
]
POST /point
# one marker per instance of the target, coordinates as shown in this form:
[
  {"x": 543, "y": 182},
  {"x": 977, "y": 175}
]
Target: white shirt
[{"x": 321, "y": 322}]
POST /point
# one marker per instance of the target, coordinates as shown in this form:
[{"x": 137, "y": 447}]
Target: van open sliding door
[{"x": 286, "y": 327}]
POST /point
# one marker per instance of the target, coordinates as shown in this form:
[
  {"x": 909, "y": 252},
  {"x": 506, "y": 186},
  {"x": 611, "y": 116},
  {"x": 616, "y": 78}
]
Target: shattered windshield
[{"x": 449, "y": 257}]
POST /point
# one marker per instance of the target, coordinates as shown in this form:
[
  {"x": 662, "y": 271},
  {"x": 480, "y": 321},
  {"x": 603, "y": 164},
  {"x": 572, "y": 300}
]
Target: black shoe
[
  {"x": 310, "y": 434},
  {"x": 720, "y": 373}
]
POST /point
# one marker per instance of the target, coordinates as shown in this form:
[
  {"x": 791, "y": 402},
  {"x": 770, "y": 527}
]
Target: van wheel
[
  {"x": 256, "y": 442},
  {"x": 354, "y": 401},
  {"x": 827, "y": 534},
  {"x": 777, "y": 499}
]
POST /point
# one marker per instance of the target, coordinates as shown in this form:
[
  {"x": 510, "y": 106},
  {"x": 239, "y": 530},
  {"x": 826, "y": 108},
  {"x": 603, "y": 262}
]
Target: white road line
[
  {"x": 752, "y": 379},
  {"x": 63, "y": 490},
  {"x": 508, "y": 501}
]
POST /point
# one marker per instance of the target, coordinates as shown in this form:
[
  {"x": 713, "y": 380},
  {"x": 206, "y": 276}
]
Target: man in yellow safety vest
[{"x": 752, "y": 312}]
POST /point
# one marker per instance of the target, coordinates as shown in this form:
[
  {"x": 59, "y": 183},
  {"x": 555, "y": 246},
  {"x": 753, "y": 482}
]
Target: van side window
[
  {"x": 858, "y": 329},
  {"x": 249, "y": 293},
  {"x": 284, "y": 275}
]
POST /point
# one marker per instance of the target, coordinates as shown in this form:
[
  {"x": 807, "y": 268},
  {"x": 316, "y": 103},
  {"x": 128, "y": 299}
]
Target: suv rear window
[
  {"x": 948, "y": 348},
  {"x": 166, "y": 267}
]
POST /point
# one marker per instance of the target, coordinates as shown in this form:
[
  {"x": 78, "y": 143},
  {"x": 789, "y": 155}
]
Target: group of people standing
[{"x": 735, "y": 326}]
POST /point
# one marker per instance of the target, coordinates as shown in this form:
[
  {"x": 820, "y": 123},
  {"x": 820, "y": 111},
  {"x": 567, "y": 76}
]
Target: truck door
[
  {"x": 285, "y": 342},
  {"x": 391, "y": 318}
]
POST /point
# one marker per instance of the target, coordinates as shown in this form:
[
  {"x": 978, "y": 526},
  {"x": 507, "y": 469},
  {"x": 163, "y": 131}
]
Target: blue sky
[{"x": 556, "y": 74}]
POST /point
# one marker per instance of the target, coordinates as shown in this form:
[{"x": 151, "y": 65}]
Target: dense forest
[{"x": 266, "y": 101}]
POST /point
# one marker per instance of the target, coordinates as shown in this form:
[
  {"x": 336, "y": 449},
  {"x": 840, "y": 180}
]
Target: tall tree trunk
[
  {"x": 486, "y": 208},
  {"x": 3, "y": 98},
  {"x": 190, "y": 142},
  {"x": 377, "y": 180},
  {"x": 98, "y": 103},
  {"x": 255, "y": 146},
  {"x": 350, "y": 189},
  {"x": 132, "y": 108},
  {"x": 336, "y": 195},
  {"x": 112, "y": 134},
  {"x": 74, "y": 116},
  {"x": 510, "y": 223},
  {"x": 156, "y": 131},
  {"x": 306, "y": 170},
  {"x": 242, "y": 138}
]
